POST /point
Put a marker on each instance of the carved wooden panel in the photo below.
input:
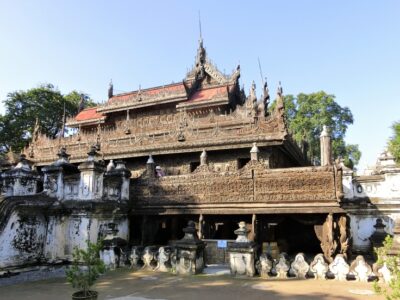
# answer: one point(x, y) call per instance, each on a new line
point(253, 184)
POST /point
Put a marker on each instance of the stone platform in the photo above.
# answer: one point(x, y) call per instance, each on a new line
point(123, 284)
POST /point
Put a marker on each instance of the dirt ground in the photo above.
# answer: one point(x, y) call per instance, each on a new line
point(124, 284)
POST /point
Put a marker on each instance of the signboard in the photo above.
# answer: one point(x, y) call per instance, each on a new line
point(221, 244)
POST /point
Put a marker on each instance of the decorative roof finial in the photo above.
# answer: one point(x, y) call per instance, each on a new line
point(280, 90)
point(266, 97)
point(110, 89)
point(201, 37)
point(36, 129)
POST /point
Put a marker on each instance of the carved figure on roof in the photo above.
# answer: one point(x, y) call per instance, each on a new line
point(81, 105)
point(110, 90)
point(236, 74)
point(266, 97)
point(253, 99)
point(201, 54)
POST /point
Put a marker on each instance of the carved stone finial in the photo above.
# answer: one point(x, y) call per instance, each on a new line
point(339, 268)
point(360, 269)
point(23, 163)
point(241, 233)
point(110, 90)
point(63, 156)
point(282, 267)
point(319, 267)
point(151, 167)
point(203, 158)
point(254, 152)
point(150, 160)
point(378, 237)
point(120, 164)
point(110, 166)
point(299, 266)
point(92, 153)
point(325, 131)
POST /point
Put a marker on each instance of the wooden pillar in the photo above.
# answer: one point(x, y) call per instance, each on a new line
point(253, 227)
point(200, 232)
point(144, 232)
point(174, 228)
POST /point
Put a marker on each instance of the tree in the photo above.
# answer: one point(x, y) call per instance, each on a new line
point(307, 113)
point(394, 143)
point(86, 268)
point(22, 108)
point(392, 291)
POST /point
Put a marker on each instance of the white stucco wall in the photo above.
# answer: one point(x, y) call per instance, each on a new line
point(22, 240)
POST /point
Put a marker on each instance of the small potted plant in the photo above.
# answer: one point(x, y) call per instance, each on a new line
point(86, 268)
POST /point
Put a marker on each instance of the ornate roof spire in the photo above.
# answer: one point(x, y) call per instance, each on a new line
point(201, 52)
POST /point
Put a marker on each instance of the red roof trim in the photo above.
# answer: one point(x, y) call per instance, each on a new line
point(174, 87)
point(88, 114)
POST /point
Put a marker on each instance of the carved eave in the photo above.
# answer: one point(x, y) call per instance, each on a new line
point(76, 124)
point(210, 70)
point(203, 104)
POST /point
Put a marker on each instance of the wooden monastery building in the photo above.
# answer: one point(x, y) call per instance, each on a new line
point(199, 150)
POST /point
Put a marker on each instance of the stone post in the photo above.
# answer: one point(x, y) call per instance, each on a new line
point(21, 180)
point(242, 253)
point(326, 147)
point(91, 181)
point(254, 152)
point(189, 252)
point(116, 181)
point(54, 174)
point(203, 158)
point(151, 167)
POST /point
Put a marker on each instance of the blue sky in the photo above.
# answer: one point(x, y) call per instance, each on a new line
point(347, 48)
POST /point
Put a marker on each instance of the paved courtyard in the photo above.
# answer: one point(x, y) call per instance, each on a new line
point(124, 284)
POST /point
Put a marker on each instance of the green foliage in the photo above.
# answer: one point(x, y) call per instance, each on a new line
point(392, 291)
point(307, 113)
point(86, 266)
point(394, 143)
point(22, 108)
